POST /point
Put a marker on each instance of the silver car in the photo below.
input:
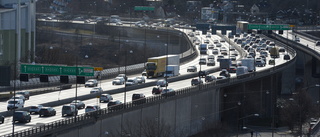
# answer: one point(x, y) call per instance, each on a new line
point(141, 79)
point(118, 81)
point(35, 109)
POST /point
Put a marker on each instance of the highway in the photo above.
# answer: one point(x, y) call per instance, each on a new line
point(6, 127)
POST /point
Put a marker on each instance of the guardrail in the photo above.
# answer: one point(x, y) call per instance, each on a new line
point(56, 126)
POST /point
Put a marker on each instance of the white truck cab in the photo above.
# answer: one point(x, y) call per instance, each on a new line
point(15, 104)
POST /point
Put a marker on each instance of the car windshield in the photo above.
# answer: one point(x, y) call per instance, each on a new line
point(34, 107)
point(66, 107)
point(130, 80)
point(12, 102)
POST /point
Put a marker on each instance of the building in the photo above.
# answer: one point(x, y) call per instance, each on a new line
point(17, 32)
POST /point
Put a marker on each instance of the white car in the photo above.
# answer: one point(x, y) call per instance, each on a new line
point(35, 109)
point(96, 90)
point(118, 81)
point(91, 83)
point(131, 82)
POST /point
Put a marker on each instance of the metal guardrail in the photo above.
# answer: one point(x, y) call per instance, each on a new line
point(54, 127)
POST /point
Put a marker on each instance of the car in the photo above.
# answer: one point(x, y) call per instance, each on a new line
point(18, 96)
point(168, 92)
point(282, 49)
point(15, 104)
point(206, 41)
point(220, 57)
point(215, 51)
point(141, 79)
point(297, 39)
point(260, 63)
point(105, 98)
point(211, 62)
point(138, 98)
point(225, 53)
point(225, 73)
point(210, 46)
point(286, 57)
point(196, 81)
point(157, 90)
point(210, 78)
point(1, 118)
point(119, 23)
point(131, 81)
point(232, 69)
point(192, 69)
point(197, 33)
point(26, 94)
point(271, 62)
point(96, 90)
point(115, 105)
point(144, 72)
point(203, 73)
point(208, 35)
point(118, 81)
point(124, 76)
point(162, 83)
point(91, 108)
point(215, 41)
point(91, 83)
point(21, 116)
point(233, 58)
point(78, 103)
point(35, 109)
point(68, 110)
point(317, 43)
point(221, 77)
point(47, 111)
point(222, 40)
point(218, 45)
point(202, 61)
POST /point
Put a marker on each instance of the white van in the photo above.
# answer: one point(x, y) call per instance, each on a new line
point(242, 70)
point(15, 104)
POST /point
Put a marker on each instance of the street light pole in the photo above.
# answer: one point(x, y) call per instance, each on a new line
point(125, 72)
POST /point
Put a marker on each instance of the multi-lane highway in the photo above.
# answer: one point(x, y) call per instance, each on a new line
point(6, 127)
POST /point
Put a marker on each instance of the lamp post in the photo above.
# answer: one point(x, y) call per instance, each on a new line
point(125, 72)
point(251, 115)
point(166, 77)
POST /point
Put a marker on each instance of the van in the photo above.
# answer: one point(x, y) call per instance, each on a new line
point(242, 70)
point(15, 104)
point(69, 110)
point(18, 96)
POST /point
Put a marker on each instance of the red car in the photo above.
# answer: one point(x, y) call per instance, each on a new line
point(157, 90)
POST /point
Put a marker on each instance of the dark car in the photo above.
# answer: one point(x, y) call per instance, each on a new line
point(157, 90)
point(196, 81)
point(78, 103)
point(47, 111)
point(138, 98)
point(210, 78)
point(203, 73)
point(21, 116)
point(225, 73)
point(115, 105)
point(26, 94)
point(232, 69)
point(286, 57)
point(168, 92)
point(1, 118)
point(69, 110)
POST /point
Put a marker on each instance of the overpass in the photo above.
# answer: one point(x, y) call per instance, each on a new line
point(194, 109)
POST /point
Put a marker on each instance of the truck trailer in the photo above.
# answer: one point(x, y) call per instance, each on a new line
point(172, 70)
point(156, 66)
point(225, 63)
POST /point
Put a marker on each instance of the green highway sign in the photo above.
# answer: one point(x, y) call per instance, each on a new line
point(56, 70)
point(268, 27)
point(144, 8)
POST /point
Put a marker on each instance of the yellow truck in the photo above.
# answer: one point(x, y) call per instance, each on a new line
point(156, 66)
point(274, 52)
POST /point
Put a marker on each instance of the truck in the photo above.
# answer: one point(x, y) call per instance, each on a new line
point(203, 48)
point(225, 63)
point(274, 52)
point(249, 63)
point(172, 70)
point(156, 66)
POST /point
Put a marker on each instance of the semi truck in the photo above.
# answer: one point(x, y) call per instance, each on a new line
point(249, 63)
point(156, 66)
point(274, 52)
point(203, 48)
point(225, 64)
point(172, 70)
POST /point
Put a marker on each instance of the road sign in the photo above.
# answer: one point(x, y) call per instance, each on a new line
point(144, 8)
point(98, 68)
point(56, 70)
point(268, 27)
